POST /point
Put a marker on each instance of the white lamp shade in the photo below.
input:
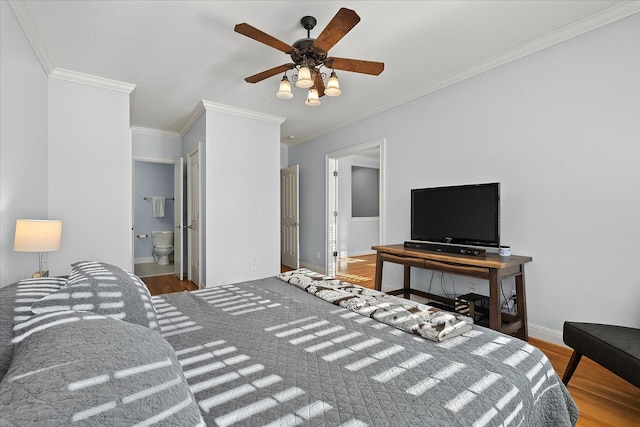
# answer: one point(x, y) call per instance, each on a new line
point(312, 97)
point(284, 91)
point(304, 78)
point(34, 235)
point(333, 86)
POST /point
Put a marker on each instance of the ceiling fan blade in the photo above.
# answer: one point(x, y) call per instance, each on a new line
point(319, 84)
point(262, 37)
point(336, 29)
point(355, 65)
point(268, 73)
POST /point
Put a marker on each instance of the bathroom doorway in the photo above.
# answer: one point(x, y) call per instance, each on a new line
point(157, 211)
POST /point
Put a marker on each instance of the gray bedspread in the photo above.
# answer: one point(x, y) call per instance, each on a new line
point(268, 353)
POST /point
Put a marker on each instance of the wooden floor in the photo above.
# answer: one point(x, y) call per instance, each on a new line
point(604, 399)
point(167, 284)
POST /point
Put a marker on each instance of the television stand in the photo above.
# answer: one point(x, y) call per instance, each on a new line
point(491, 267)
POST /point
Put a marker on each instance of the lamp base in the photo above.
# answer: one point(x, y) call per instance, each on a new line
point(40, 274)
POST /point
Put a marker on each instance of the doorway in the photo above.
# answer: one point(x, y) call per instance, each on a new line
point(341, 224)
point(289, 213)
point(157, 207)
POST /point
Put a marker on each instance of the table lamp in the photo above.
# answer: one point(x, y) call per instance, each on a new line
point(34, 235)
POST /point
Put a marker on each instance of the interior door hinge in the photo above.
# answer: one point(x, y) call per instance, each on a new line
point(335, 253)
point(335, 173)
point(335, 213)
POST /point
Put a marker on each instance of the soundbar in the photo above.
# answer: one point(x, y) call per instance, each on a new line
point(451, 249)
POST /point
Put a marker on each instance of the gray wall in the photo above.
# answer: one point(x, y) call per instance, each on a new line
point(90, 174)
point(559, 130)
point(23, 144)
point(66, 154)
point(243, 195)
point(365, 188)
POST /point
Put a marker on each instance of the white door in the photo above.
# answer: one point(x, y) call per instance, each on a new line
point(193, 213)
point(332, 218)
point(178, 210)
point(289, 226)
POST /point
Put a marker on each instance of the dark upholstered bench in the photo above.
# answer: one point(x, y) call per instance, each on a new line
point(617, 348)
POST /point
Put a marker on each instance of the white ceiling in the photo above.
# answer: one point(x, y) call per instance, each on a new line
point(177, 53)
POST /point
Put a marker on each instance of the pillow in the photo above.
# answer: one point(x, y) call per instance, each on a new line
point(103, 289)
point(77, 367)
point(15, 306)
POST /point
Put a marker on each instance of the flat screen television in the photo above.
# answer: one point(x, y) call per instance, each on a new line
point(463, 214)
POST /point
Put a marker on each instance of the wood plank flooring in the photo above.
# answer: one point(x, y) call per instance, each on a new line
point(167, 284)
point(604, 399)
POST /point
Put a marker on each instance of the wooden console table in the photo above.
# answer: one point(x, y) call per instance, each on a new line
point(491, 267)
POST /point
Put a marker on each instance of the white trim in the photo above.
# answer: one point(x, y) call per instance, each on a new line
point(89, 80)
point(360, 253)
point(154, 132)
point(154, 160)
point(212, 106)
point(30, 30)
point(312, 267)
point(546, 334)
point(195, 115)
point(144, 260)
point(365, 218)
point(597, 20)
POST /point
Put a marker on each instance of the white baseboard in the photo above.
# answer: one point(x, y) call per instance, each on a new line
point(312, 267)
point(143, 260)
point(546, 334)
point(360, 253)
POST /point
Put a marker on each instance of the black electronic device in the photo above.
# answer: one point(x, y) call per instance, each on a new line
point(451, 249)
point(457, 215)
point(472, 305)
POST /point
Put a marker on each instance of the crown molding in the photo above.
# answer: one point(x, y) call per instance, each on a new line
point(241, 112)
point(154, 132)
point(597, 20)
point(31, 32)
point(88, 79)
point(204, 105)
point(195, 115)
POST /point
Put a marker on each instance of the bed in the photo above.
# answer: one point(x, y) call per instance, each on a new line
point(96, 349)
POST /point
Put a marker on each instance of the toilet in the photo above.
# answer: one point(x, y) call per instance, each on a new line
point(162, 246)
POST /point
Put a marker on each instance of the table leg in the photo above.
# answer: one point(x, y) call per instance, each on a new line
point(378, 281)
point(495, 316)
point(521, 304)
point(407, 282)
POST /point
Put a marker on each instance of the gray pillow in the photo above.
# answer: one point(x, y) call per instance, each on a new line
point(104, 289)
point(80, 368)
point(15, 306)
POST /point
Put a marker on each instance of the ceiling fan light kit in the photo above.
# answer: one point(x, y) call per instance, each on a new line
point(310, 55)
point(312, 97)
point(333, 85)
point(304, 78)
point(284, 91)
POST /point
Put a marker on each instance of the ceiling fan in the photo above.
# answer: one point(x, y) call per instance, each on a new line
point(310, 55)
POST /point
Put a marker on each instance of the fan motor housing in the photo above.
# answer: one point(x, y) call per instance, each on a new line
point(314, 57)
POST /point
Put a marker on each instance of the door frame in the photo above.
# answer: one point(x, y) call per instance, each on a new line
point(176, 221)
point(331, 194)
